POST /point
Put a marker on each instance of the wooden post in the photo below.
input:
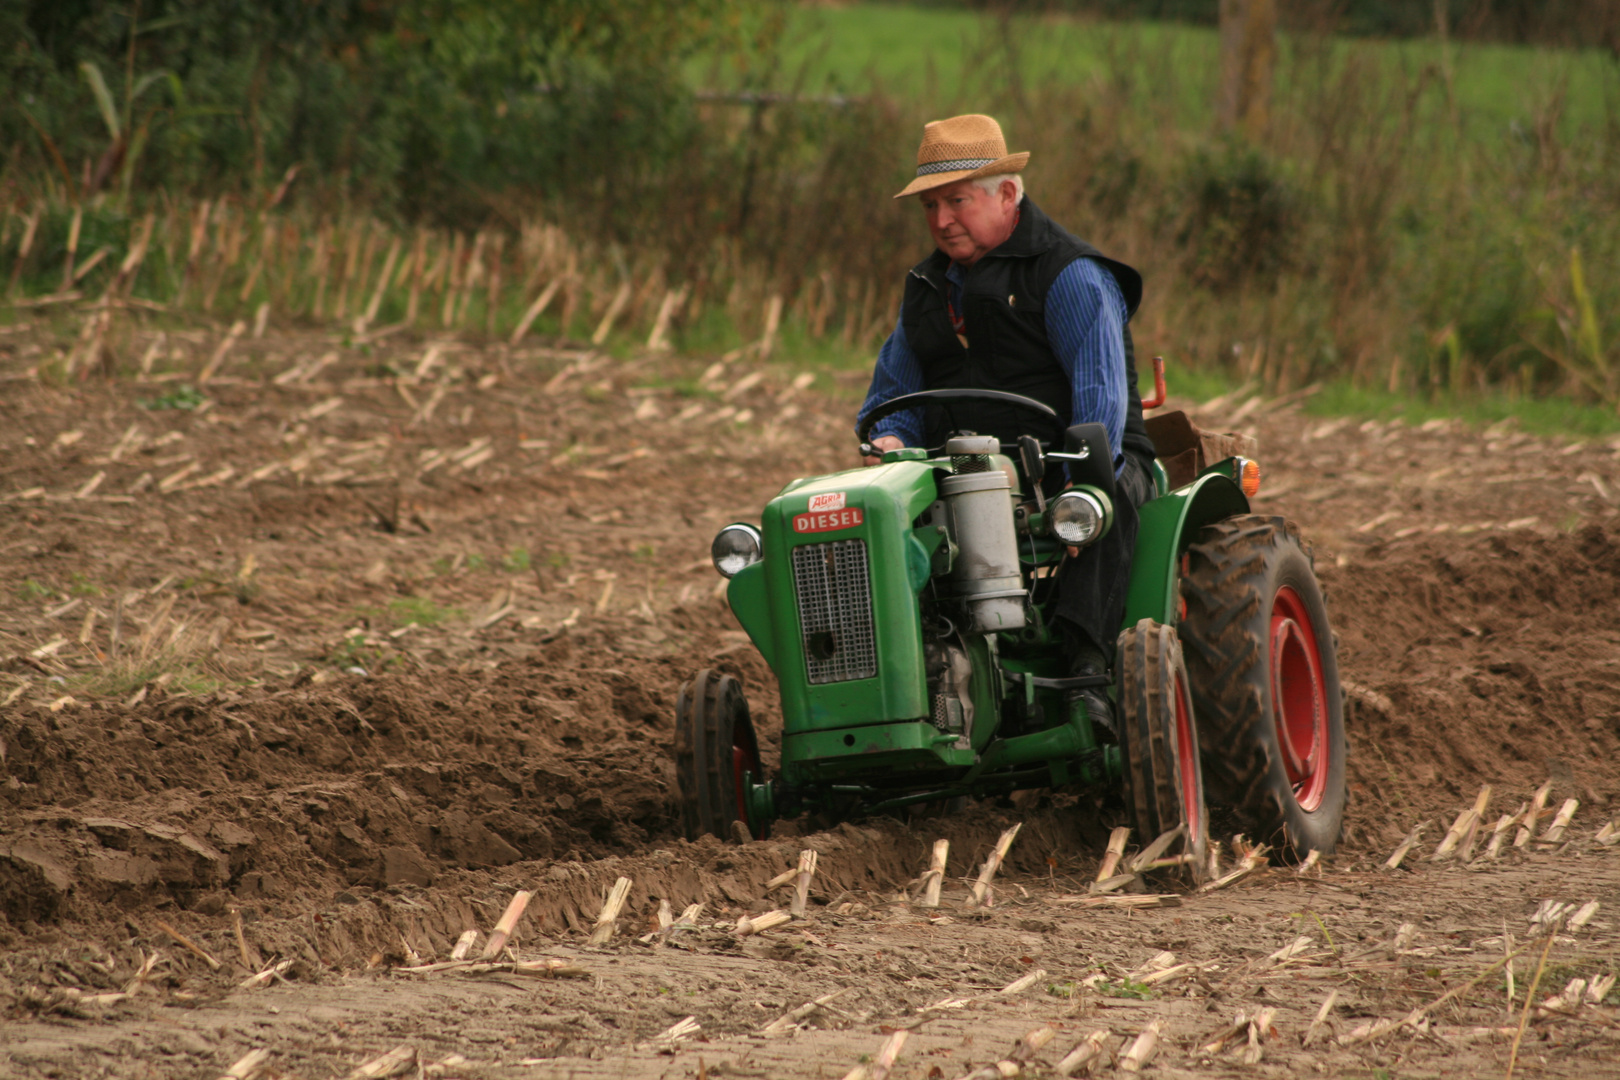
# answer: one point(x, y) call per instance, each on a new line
point(1248, 34)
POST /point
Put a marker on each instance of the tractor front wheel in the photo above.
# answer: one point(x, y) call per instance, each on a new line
point(1265, 682)
point(1164, 785)
point(716, 754)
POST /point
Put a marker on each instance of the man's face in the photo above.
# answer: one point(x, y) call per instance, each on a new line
point(968, 221)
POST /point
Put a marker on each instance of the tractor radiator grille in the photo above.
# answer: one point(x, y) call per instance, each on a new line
point(835, 610)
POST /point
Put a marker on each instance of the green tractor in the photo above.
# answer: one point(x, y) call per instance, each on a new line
point(905, 610)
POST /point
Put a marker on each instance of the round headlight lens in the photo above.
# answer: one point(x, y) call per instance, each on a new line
point(1076, 518)
point(735, 547)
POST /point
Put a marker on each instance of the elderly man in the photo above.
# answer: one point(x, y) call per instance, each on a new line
point(1011, 301)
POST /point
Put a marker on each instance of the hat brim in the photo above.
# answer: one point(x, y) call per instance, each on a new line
point(1012, 163)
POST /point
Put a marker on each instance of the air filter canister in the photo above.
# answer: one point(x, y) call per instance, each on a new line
point(985, 576)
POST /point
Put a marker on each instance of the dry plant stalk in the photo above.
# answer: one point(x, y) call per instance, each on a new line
point(1142, 1049)
point(1538, 803)
point(1116, 851)
point(1529, 1001)
point(758, 924)
point(880, 1066)
point(464, 944)
point(679, 1030)
point(1022, 1053)
point(549, 968)
point(981, 887)
point(1560, 822)
point(509, 920)
point(608, 919)
point(250, 956)
point(536, 309)
point(1499, 833)
point(1149, 855)
point(1253, 860)
point(658, 340)
point(396, 1062)
point(190, 946)
point(784, 878)
point(247, 1066)
point(1322, 1015)
point(211, 368)
point(792, 1017)
point(617, 305)
point(1022, 983)
point(1086, 1053)
point(1394, 860)
point(1466, 820)
point(265, 977)
point(801, 890)
point(936, 873)
point(773, 321)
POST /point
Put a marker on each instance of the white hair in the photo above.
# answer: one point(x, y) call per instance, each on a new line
point(992, 184)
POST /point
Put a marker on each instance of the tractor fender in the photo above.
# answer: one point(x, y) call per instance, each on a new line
point(1167, 525)
point(746, 596)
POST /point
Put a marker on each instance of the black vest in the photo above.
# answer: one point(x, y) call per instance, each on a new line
point(1004, 304)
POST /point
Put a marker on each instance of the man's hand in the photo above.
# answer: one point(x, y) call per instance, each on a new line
point(882, 443)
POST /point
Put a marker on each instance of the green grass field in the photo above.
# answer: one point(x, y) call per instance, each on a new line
point(947, 56)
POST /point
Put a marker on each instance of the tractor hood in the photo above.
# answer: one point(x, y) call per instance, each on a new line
point(832, 604)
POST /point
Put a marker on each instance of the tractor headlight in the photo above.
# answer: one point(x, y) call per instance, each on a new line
point(735, 547)
point(1077, 518)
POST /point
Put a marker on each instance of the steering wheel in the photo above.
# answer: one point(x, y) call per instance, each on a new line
point(923, 397)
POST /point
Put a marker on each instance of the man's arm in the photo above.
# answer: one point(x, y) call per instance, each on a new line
point(897, 373)
point(1085, 321)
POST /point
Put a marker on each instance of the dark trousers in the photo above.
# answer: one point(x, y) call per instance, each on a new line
point(1093, 584)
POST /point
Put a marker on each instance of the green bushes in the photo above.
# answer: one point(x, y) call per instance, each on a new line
point(1408, 223)
point(1243, 220)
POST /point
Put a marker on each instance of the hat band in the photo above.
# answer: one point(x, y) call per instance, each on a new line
point(954, 165)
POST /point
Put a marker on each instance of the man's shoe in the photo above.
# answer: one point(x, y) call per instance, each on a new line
point(1098, 708)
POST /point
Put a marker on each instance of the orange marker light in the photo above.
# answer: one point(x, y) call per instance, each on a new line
point(1250, 481)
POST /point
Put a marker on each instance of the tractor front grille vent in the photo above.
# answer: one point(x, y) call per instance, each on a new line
point(835, 610)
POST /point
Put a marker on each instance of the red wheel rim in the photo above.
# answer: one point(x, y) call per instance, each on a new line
point(741, 762)
point(1187, 764)
point(1299, 698)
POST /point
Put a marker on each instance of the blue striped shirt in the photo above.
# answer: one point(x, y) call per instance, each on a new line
point(1085, 322)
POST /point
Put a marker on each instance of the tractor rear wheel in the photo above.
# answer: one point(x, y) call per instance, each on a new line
point(1265, 682)
point(1164, 785)
point(715, 752)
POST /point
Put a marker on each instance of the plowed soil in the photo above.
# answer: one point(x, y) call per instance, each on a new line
point(363, 637)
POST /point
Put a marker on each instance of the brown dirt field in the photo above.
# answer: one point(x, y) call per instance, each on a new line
point(379, 633)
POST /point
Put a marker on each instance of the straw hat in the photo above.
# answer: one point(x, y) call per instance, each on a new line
point(962, 148)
